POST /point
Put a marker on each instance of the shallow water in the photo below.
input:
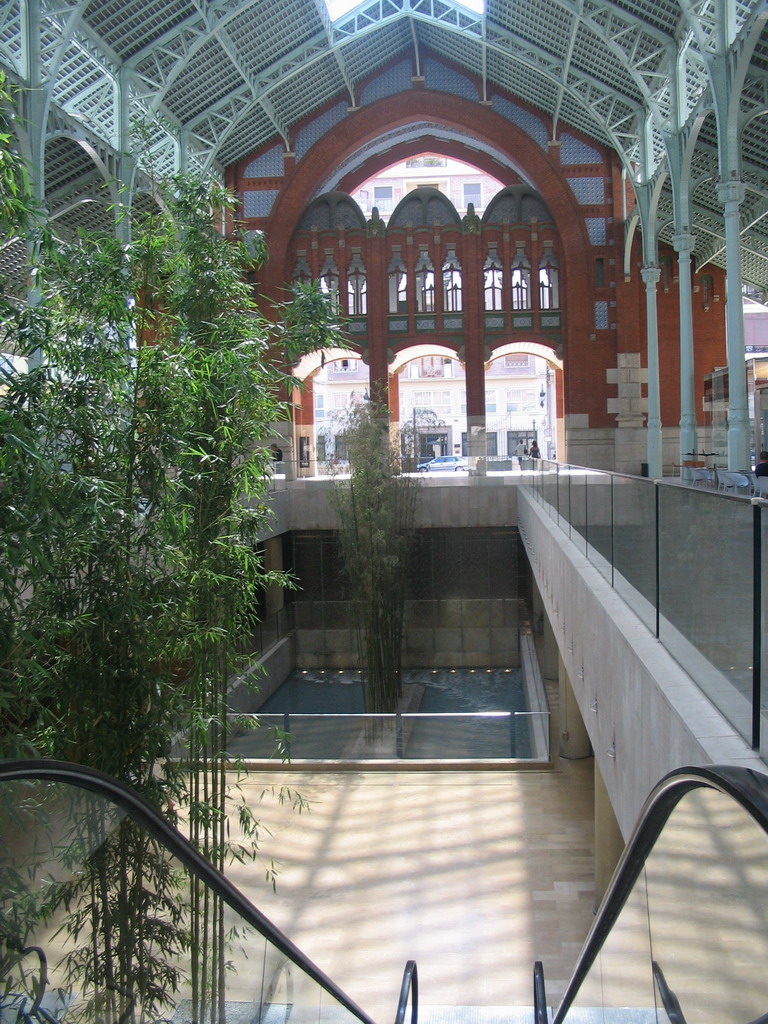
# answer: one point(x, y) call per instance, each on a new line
point(327, 691)
point(463, 714)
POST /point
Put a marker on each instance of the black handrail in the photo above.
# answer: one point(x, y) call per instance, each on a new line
point(744, 785)
point(540, 1014)
point(409, 987)
point(668, 998)
point(97, 782)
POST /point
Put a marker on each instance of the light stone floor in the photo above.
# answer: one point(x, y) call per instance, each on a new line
point(473, 874)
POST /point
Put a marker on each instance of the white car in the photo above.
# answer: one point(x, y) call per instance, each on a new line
point(453, 463)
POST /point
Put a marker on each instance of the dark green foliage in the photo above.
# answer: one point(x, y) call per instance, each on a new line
point(133, 475)
point(376, 511)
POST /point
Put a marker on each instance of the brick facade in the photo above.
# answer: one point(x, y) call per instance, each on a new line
point(597, 332)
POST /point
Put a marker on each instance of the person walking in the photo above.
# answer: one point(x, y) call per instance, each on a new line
point(533, 451)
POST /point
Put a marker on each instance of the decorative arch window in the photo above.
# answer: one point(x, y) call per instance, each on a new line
point(452, 283)
point(357, 286)
point(329, 280)
point(492, 280)
point(425, 283)
point(666, 272)
point(398, 283)
point(301, 272)
point(549, 280)
point(521, 279)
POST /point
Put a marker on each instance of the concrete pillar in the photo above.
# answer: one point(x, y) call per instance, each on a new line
point(609, 842)
point(651, 276)
point(731, 195)
point(550, 653)
point(274, 597)
point(573, 739)
point(689, 441)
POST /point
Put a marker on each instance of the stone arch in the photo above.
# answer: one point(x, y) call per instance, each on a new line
point(424, 207)
point(360, 127)
point(516, 204)
point(332, 211)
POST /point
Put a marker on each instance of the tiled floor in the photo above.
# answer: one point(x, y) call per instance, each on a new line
point(473, 874)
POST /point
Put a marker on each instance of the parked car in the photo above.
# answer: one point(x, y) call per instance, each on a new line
point(452, 463)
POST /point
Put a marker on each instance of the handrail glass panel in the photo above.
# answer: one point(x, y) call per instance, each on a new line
point(705, 595)
point(413, 736)
point(634, 545)
point(599, 532)
point(690, 935)
point(703, 546)
point(578, 521)
point(96, 923)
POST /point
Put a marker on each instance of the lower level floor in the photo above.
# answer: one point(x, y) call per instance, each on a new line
point(473, 874)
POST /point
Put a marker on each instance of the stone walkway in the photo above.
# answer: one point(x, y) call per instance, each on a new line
point(473, 874)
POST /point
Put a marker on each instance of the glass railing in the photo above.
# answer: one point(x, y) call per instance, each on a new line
point(688, 561)
point(681, 934)
point(406, 736)
point(272, 628)
point(108, 916)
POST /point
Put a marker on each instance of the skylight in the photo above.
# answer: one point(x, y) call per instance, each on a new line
point(338, 8)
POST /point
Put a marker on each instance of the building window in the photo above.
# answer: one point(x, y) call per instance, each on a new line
point(329, 280)
point(431, 366)
point(426, 161)
point(491, 443)
point(521, 289)
point(345, 365)
point(425, 284)
point(319, 406)
point(517, 361)
point(600, 272)
point(521, 400)
point(707, 288)
point(521, 279)
point(436, 401)
point(301, 271)
point(452, 302)
point(382, 198)
point(490, 401)
point(398, 283)
point(492, 281)
point(357, 291)
point(549, 297)
point(473, 193)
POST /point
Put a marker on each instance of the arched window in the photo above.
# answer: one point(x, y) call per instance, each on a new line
point(707, 289)
point(521, 279)
point(451, 283)
point(425, 284)
point(357, 288)
point(398, 283)
point(549, 290)
point(329, 280)
point(492, 280)
point(301, 271)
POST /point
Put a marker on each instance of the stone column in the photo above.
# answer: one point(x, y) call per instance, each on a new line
point(609, 842)
point(573, 739)
point(689, 441)
point(731, 195)
point(651, 276)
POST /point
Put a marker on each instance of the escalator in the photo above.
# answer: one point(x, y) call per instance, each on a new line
point(681, 936)
point(96, 928)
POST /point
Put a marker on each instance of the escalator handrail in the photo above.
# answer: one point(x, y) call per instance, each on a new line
point(540, 1012)
point(116, 792)
point(409, 987)
point(746, 786)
